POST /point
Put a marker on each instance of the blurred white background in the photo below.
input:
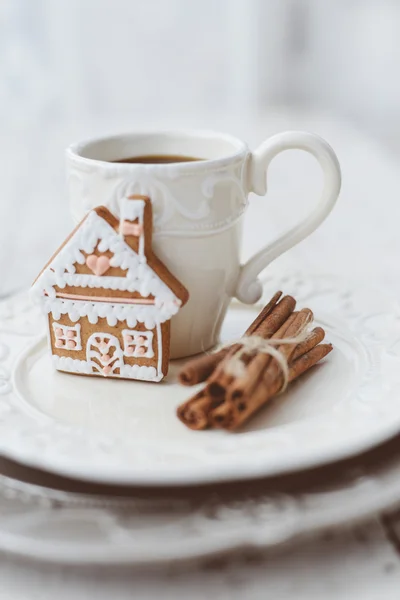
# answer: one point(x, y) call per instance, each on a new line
point(70, 69)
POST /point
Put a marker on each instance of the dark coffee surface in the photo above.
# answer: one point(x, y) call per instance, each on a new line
point(157, 159)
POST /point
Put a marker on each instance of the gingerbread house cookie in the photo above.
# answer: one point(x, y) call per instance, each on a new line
point(109, 299)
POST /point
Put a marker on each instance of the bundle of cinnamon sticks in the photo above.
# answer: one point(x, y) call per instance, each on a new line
point(231, 395)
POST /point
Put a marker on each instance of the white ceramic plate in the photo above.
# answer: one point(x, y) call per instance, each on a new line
point(70, 528)
point(127, 433)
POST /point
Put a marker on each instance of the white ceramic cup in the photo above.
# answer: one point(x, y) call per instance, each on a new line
point(198, 208)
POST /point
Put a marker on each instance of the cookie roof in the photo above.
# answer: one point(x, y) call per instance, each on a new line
point(145, 275)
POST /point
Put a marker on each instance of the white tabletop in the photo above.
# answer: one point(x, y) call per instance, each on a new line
point(360, 239)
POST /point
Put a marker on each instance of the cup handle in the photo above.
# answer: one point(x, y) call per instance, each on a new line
point(249, 288)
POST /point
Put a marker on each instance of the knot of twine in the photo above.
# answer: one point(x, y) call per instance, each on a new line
point(253, 344)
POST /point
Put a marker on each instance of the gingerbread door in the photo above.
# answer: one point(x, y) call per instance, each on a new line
point(104, 354)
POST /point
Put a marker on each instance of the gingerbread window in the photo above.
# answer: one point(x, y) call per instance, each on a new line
point(67, 338)
point(138, 344)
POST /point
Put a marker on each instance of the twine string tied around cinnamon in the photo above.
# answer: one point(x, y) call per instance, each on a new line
point(254, 344)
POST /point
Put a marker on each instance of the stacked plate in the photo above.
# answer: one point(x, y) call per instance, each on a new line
point(102, 471)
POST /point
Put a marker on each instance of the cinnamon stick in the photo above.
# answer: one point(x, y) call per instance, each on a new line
point(227, 401)
point(231, 416)
point(298, 325)
point(220, 379)
point(277, 317)
point(308, 360)
point(200, 368)
point(246, 385)
point(223, 417)
point(263, 314)
point(238, 406)
point(268, 378)
point(194, 412)
point(314, 337)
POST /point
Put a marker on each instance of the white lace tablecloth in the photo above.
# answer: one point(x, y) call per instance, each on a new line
point(360, 239)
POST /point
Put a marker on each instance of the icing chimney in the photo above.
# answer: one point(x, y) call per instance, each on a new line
point(135, 215)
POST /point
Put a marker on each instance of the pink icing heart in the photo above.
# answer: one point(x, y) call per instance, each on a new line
point(98, 264)
point(106, 371)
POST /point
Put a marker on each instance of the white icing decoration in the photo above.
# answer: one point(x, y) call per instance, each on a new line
point(94, 352)
point(116, 361)
point(131, 210)
point(140, 276)
point(159, 349)
point(141, 372)
point(77, 339)
point(71, 365)
point(147, 344)
point(148, 314)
